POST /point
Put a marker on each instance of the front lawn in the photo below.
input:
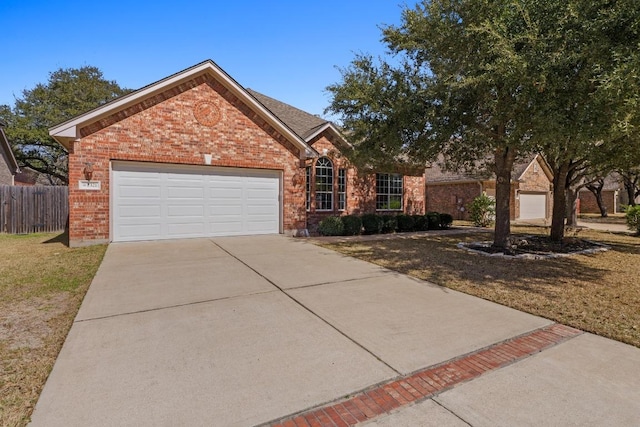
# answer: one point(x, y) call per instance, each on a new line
point(599, 293)
point(42, 283)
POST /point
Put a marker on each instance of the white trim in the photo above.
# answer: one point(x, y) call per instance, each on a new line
point(69, 131)
point(331, 127)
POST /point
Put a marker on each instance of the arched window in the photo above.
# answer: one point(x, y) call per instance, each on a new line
point(324, 184)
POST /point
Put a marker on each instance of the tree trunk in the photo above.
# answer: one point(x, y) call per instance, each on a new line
point(504, 159)
point(559, 202)
point(571, 197)
point(631, 190)
point(596, 188)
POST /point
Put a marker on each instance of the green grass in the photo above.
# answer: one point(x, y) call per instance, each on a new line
point(42, 283)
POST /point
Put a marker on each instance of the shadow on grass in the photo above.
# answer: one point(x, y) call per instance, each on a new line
point(439, 261)
point(60, 238)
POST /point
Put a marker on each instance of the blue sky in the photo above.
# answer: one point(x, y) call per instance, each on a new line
point(288, 50)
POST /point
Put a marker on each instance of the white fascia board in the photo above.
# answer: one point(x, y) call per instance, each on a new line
point(331, 127)
point(69, 130)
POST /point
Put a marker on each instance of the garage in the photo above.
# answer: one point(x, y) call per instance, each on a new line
point(533, 205)
point(163, 201)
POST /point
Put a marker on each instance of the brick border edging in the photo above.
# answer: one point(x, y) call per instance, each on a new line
point(381, 399)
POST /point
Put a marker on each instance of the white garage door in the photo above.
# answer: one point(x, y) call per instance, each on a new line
point(154, 201)
point(533, 206)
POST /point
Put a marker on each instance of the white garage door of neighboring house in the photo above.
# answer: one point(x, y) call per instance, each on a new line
point(533, 206)
point(161, 201)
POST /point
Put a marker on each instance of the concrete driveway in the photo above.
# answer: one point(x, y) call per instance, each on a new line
point(251, 330)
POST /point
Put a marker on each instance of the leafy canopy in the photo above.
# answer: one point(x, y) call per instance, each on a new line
point(67, 94)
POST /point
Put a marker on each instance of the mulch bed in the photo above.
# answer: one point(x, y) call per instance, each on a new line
point(538, 246)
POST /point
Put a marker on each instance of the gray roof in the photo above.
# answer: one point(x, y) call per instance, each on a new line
point(438, 173)
point(301, 122)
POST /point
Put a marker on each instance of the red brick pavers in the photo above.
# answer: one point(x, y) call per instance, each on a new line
point(421, 385)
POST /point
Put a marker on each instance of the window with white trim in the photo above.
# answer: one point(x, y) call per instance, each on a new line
point(342, 189)
point(389, 191)
point(324, 184)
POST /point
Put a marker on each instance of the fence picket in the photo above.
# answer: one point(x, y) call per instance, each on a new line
point(33, 209)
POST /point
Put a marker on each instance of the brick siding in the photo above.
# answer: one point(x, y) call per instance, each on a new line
point(452, 198)
point(588, 203)
point(361, 189)
point(163, 129)
point(534, 180)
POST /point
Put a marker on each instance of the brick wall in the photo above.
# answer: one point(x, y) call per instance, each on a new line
point(535, 180)
point(361, 189)
point(588, 203)
point(163, 129)
point(452, 198)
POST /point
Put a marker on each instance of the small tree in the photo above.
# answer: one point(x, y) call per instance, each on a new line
point(483, 211)
point(633, 218)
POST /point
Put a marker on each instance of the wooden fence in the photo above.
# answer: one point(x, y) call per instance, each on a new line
point(33, 209)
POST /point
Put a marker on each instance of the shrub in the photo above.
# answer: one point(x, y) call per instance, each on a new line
point(482, 211)
point(372, 223)
point(352, 225)
point(632, 215)
point(390, 223)
point(331, 226)
point(433, 220)
point(405, 223)
point(445, 220)
point(420, 223)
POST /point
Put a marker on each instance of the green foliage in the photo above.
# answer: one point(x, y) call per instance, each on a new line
point(485, 83)
point(390, 224)
point(433, 220)
point(482, 211)
point(352, 225)
point(331, 226)
point(632, 215)
point(446, 220)
point(420, 223)
point(372, 223)
point(405, 223)
point(67, 94)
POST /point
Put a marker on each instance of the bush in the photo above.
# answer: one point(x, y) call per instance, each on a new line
point(420, 223)
point(405, 223)
point(482, 211)
point(331, 226)
point(352, 225)
point(390, 223)
point(445, 220)
point(633, 218)
point(372, 223)
point(433, 220)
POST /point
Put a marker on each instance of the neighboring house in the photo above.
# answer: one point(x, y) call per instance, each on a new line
point(8, 165)
point(531, 190)
point(28, 177)
point(198, 155)
point(612, 192)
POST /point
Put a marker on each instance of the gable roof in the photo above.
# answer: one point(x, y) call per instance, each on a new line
point(521, 167)
point(436, 173)
point(6, 152)
point(69, 131)
point(301, 122)
point(306, 125)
